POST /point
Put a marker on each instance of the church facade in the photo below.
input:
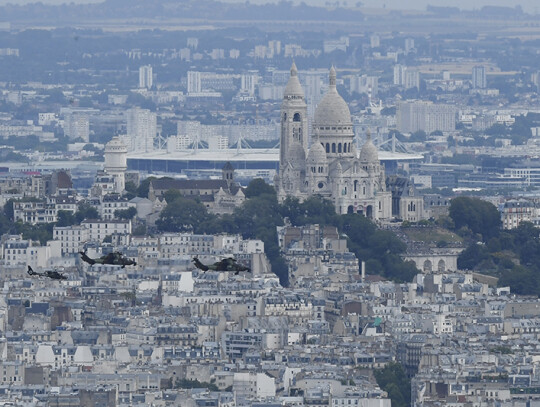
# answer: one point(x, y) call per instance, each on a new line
point(331, 166)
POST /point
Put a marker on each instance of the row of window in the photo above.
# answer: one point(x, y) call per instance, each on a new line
point(334, 128)
point(337, 148)
point(68, 232)
point(18, 251)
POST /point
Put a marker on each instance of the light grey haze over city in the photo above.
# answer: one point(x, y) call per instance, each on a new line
point(530, 6)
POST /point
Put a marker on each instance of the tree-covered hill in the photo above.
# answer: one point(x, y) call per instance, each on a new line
point(258, 217)
point(512, 255)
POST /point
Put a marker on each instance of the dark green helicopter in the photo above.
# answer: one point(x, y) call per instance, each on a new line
point(228, 264)
point(115, 259)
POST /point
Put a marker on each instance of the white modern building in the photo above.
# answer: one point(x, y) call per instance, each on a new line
point(194, 82)
point(146, 79)
point(77, 126)
point(406, 76)
point(414, 115)
point(141, 130)
point(479, 80)
point(248, 82)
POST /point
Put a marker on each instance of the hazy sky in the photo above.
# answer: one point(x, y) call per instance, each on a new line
point(53, 2)
point(531, 6)
point(528, 5)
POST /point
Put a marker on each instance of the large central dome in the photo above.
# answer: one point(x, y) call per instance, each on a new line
point(332, 109)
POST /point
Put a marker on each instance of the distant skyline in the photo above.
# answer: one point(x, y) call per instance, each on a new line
point(49, 2)
point(530, 6)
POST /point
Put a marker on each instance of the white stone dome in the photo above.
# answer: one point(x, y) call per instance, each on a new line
point(296, 153)
point(369, 152)
point(293, 87)
point(316, 154)
point(332, 109)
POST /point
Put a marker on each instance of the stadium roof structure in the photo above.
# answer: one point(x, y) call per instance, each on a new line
point(238, 156)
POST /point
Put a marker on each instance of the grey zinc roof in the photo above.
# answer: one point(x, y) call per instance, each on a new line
point(166, 183)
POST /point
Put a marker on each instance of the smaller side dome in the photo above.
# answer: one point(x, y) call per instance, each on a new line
point(316, 154)
point(296, 153)
point(369, 153)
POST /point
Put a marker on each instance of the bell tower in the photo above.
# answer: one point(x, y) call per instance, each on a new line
point(294, 127)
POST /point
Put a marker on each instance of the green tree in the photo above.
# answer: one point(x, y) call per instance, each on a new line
point(291, 209)
point(131, 187)
point(472, 256)
point(143, 188)
point(42, 232)
point(86, 211)
point(388, 111)
point(318, 210)
point(521, 130)
point(257, 218)
point(5, 224)
point(260, 212)
point(258, 187)
point(8, 209)
point(393, 379)
point(55, 96)
point(194, 384)
point(127, 214)
point(183, 215)
point(380, 249)
point(497, 130)
point(418, 136)
point(65, 218)
point(172, 194)
point(224, 223)
point(475, 214)
point(139, 230)
point(521, 280)
point(130, 190)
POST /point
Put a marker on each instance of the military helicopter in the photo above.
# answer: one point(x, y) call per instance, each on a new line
point(53, 274)
point(116, 259)
point(228, 264)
